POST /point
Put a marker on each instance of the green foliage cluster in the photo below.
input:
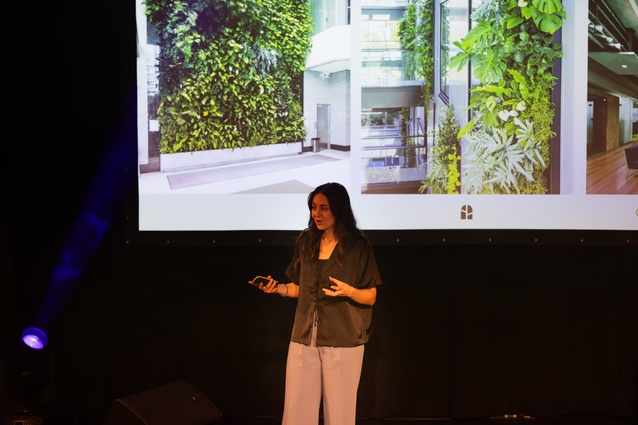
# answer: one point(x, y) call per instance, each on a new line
point(230, 72)
point(502, 162)
point(409, 154)
point(416, 34)
point(512, 52)
point(443, 176)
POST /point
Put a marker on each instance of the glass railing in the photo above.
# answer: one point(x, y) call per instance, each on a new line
point(389, 157)
point(388, 69)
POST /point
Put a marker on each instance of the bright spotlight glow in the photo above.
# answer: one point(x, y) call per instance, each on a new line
point(35, 338)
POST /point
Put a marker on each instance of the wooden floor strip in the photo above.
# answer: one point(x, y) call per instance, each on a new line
point(607, 173)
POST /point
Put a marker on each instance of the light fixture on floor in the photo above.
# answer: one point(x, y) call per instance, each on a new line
point(35, 338)
point(28, 364)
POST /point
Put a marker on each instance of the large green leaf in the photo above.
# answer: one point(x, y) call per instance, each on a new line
point(547, 22)
point(548, 6)
point(478, 37)
point(489, 66)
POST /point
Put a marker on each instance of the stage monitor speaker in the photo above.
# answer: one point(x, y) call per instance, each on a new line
point(179, 403)
point(21, 420)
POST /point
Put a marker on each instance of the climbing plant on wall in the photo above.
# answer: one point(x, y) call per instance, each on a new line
point(230, 72)
point(512, 52)
point(443, 176)
point(416, 32)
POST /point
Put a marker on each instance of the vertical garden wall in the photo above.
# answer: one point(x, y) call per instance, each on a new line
point(512, 52)
point(230, 72)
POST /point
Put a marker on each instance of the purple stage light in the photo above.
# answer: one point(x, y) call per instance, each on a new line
point(35, 338)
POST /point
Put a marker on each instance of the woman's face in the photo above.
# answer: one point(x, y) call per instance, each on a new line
point(321, 213)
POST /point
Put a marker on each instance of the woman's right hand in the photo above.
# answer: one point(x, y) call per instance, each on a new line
point(268, 287)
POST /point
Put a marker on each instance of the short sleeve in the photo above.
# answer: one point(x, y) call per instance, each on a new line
point(294, 267)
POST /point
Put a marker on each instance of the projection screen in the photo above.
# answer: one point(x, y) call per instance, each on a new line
point(426, 136)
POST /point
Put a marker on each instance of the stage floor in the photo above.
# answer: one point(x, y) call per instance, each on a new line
point(562, 420)
point(271, 420)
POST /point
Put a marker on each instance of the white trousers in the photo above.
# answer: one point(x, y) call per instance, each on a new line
point(314, 374)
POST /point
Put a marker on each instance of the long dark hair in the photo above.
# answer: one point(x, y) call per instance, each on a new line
point(345, 227)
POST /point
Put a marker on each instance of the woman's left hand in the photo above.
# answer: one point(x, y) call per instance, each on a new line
point(339, 289)
point(366, 296)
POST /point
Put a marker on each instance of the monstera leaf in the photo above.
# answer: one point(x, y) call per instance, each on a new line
point(548, 6)
point(489, 66)
point(548, 15)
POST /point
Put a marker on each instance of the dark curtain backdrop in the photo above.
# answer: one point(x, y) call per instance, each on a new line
point(462, 331)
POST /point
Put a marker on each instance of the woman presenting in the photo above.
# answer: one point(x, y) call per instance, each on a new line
point(333, 274)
